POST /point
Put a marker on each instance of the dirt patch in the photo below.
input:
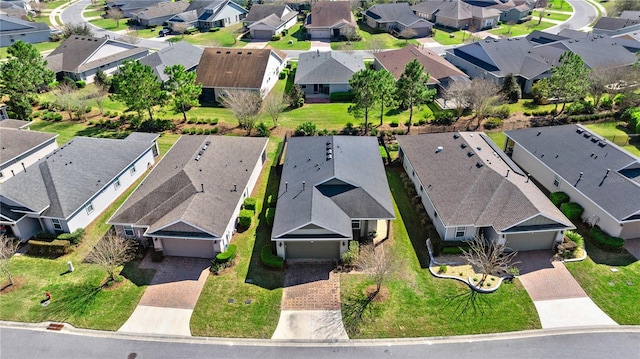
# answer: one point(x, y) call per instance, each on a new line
point(382, 296)
point(6, 288)
point(112, 285)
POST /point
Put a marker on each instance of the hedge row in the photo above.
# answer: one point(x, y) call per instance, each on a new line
point(269, 259)
point(73, 238)
point(227, 255)
point(245, 218)
point(604, 240)
point(250, 203)
point(558, 198)
point(270, 215)
point(350, 257)
point(341, 97)
point(572, 210)
point(55, 248)
point(454, 250)
point(271, 201)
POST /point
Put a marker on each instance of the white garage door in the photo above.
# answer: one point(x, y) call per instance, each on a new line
point(313, 250)
point(531, 241)
point(262, 34)
point(187, 248)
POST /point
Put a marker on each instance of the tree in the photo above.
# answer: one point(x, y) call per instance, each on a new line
point(21, 76)
point(411, 88)
point(363, 86)
point(569, 81)
point(407, 33)
point(183, 88)
point(131, 37)
point(8, 247)
point(83, 29)
point(296, 97)
point(376, 45)
point(376, 265)
point(481, 95)
point(66, 97)
point(245, 105)
point(111, 252)
point(385, 88)
point(458, 92)
point(115, 14)
point(510, 89)
point(136, 86)
point(488, 258)
point(249, 4)
point(181, 28)
point(600, 82)
point(273, 106)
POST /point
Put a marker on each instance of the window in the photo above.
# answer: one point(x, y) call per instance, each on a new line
point(355, 224)
point(90, 208)
point(128, 231)
point(556, 181)
point(132, 170)
point(460, 232)
point(116, 184)
point(56, 224)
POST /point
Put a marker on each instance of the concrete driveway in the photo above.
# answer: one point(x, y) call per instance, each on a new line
point(633, 246)
point(557, 296)
point(310, 303)
point(167, 303)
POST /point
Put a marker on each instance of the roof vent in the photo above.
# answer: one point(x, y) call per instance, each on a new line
point(439, 149)
point(470, 154)
point(587, 134)
point(479, 164)
point(580, 130)
point(329, 156)
point(602, 143)
point(456, 136)
point(200, 153)
point(594, 139)
point(539, 133)
point(208, 143)
point(463, 145)
point(479, 148)
point(198, 158)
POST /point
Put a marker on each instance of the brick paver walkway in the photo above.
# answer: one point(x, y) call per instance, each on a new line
point(545, 279)
point(311, 286)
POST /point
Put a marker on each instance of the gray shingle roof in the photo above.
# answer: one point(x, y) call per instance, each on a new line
point(331, 67)
point(21, 26)
point(396, 12)
point(16, 142)
point(172, 191)
point(614, 23)
point(456, 9)
point(179, 53)
point(615, 192)
point(11, 123)
point(260, 11)
point(162, 9)
point(469, 186)
point(65, 180)
point(350, 185)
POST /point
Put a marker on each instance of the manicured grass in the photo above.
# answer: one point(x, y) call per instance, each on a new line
point(294, 34)
point(110, 24)
point(43, 46)
point(521, 29)
point(225, 37)
point(528, 106)
point(93, 13)
point(616, 293)
point(550, 16)
point(443, 36)
point(559, 5)
point(44, 18)
point(144, 32)
point(615, 132)
point(247, 280)
point(422, 305)
point(55, 4)
point(371, 40)
point(498, 138)
point(67, 130)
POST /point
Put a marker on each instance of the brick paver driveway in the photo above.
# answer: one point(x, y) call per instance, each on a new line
point(311, 286)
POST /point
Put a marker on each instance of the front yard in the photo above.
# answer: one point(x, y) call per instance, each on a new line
point(521, 29)
point(225, 37)
point(294, 40)
point(372, 40)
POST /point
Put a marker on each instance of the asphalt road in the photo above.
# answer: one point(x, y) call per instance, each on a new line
point(597, 343)
point(585, 13)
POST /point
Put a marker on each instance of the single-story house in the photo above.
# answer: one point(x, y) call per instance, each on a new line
point(320, 74)
point(222, 69)
point(80, 57)
point(207, 14)
point(615, 26)
point(396, 17)
point(440, 70)
point(330, 19)
point(17, 9)
point(597, 174)
point(158, 14)
point(332, 190)
point(179, 53)
point(129, 7)
point(15, 124)
point(457, 14)
point(470, 188)
point(71, 187)
point(517, 14)
point(13, 29)
point(20, 149)
point(267, 20)
point(188, 205)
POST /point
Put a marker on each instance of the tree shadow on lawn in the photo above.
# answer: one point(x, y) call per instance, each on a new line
point(258, 274)
point(77, 300)
point(618, 258)
point(136, 275)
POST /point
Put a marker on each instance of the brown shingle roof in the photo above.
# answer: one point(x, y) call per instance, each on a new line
point(437, 67)
point(328, 13)
point(235, 68)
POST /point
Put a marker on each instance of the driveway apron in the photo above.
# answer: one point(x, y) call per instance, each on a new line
point(310, 308)
point(557, 296)
point(167, 303)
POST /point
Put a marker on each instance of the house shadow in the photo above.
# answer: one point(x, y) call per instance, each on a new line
point(532, 261)
point(304, 272)
point(179, 269)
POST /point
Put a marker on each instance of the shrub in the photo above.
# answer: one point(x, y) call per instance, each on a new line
point(250, 203)
point(632, 117)
point(394, 123)
point(185, 131)
point(442, 269)
point(443, 118)
point(245, 218)
point(454, 250)
point(73, 238)
point(604, 240)
point(57, 117)
point(263, 130)
point(227, 255)
point(558, 198)
point(214, 121)
point(572, 210)
point(81, 84)
point(502, 112)
point(606, 103)
point(214, 29)
point(283, 75)
point(492, 123)
point(54, 248)
point(270, 215)
point(207, 131)
point(269, 259)
point(341, 97)
point(306, 129)
point(350, 257)
point(271, 201)
point(214, 130)
point(580, 107)
point(575, 237)
point(275, 38)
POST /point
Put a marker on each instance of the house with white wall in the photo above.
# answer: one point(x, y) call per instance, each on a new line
point(333, 190)
point(71, 187)
point(267, 20)
point(470, 188)
point(22, 148)
point(319, 74)
point(597, 174)
point(188, 206)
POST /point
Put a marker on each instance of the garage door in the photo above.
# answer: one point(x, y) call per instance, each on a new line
point(262, 34)
point(531, 241)
point(187, 248)
point(313, 250)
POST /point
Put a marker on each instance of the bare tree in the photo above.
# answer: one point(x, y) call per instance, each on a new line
point(603, 81)
point(407, 33)
point(8, 247)
point(510, 26)
point(488, 257)
point(181, 28)
point(481, 95)
point(273, 106)
point(245, 105)
point(458, 92)
point(376, 265)
point(376, 45)
point(115, 14)
point(67, 98)
point(37, 7)
point(131, 36)
point(111, 252)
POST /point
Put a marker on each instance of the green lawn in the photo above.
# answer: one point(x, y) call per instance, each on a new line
point(372, 40)
point(44, 19)
point(498, 138)
point(421, 305)
point(615, 132)
point(43, 46)
point(55, 4)
point(551, 16)
point(248, 279)
point(443, 36)
point(93, 13)
point(295, 35)
point(559, 5)
point(616, 293)
point(225, 37)
point(110, 24)
point(521, 29)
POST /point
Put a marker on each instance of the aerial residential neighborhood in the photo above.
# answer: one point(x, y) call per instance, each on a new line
point(194, 172)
